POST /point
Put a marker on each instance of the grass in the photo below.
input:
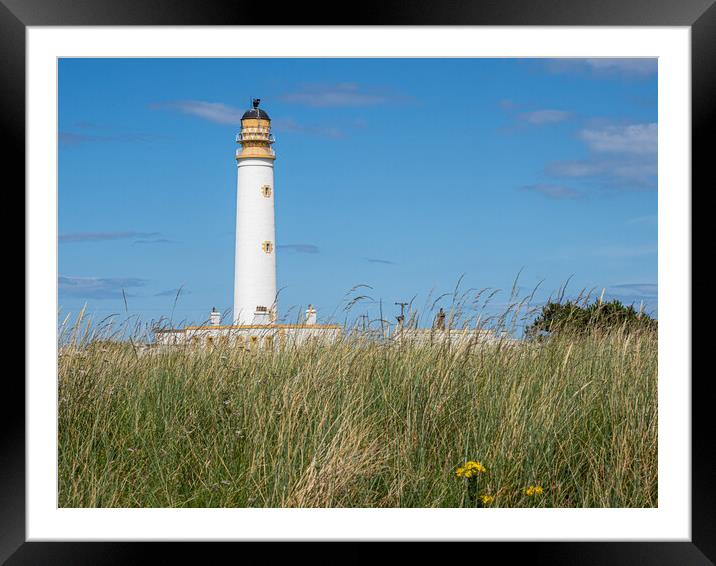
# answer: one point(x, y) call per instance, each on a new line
point(361, 424)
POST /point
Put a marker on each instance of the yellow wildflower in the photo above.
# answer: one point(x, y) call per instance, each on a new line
point(533, 490)
point(470, 469)
point(486, 499)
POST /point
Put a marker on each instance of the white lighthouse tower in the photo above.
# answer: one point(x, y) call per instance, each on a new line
point(255, 265)
point(253, 323)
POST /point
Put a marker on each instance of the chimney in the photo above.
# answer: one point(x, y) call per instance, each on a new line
point(214, 317)
point(310, 315)
point(439, 323)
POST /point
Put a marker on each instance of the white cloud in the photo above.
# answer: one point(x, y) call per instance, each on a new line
point(574, 168)
point(378, 260)
point(622, 156)
point(212, 111)
point(639, 172)
point(300, 248)
point(291, 125)
point(340, 94)
point(638, 289)
point(539, 117)
point(628, 66)
point(556, 192)
point(605, 67)
point(73, 237)
point(635, 170)
point(72, 139)
point(96, 287)
point(173, 292)
point(641, 139)
point(220, 113)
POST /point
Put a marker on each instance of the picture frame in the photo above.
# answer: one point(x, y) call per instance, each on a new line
point(699, 15)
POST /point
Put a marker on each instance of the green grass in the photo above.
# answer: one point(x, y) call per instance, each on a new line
point(360, 424)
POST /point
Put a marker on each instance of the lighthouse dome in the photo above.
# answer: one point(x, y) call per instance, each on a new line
point(255, 113)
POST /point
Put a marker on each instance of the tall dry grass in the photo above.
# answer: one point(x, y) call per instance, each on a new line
point(360, 423)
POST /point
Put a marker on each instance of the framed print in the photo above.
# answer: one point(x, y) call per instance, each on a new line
point(441, 291)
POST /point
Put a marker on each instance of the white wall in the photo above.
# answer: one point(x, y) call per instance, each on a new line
point(248, 337)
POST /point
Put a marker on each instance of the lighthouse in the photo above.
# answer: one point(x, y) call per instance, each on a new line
point(255, 262)
point(254, 319)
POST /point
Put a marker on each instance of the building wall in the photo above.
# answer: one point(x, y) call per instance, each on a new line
point(270, 336)
point(457, 337)
point(255, 269)
point(280, 336)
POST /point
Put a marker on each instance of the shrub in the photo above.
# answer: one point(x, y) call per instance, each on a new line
point(574, 319)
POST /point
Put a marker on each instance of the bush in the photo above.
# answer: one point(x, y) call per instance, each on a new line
point(572, 318)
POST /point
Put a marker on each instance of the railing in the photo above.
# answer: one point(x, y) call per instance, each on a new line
point(255, 130)
point(263, 135)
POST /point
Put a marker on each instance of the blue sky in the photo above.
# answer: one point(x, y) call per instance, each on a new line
point(400, 174)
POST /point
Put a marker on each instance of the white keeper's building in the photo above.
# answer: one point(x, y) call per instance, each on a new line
point(254, 319)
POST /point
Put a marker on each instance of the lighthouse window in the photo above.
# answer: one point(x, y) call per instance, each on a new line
point(267, 247)
point(266, 191)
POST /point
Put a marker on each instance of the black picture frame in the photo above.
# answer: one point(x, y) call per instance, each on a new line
point(16, 15)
